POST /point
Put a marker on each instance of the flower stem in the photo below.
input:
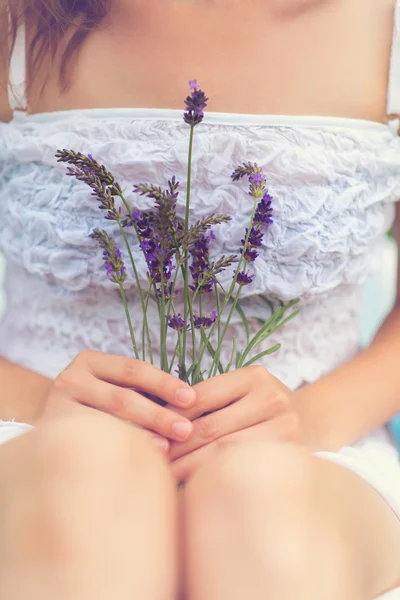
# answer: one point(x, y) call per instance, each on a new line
point(186, 304)
point(136, 274)
point(163, 325)
point(146, 330)
point(128, 318)
point(231, 289)
point(228, 297)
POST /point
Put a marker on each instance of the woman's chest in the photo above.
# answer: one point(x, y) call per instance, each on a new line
point(278, 57)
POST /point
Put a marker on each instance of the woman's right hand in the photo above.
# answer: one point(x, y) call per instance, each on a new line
point(113, 384)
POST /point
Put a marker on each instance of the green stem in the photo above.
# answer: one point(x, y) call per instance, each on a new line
point(163, 325)
point(146, 330)
point(229, 295)
point(176, 351)
point(186, 266)
point(128, 318)
point(171, 298)
point(144, 308)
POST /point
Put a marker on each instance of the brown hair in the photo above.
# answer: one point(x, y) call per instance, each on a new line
point(52, 20)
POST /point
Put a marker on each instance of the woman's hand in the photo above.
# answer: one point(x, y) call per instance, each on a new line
point(244, 405)
point(113, 384)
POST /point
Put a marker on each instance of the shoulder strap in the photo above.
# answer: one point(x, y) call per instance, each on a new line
point(17, 80)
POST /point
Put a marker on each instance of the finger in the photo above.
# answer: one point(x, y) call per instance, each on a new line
point(130, 406)
point(250, 410)
point(183, 468)
point(160, 442)
point(218, 392)
point(138, 374)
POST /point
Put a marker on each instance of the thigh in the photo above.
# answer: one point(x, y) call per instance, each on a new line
point(288, 493)
point(85, 489)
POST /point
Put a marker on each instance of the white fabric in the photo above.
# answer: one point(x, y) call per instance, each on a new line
point(12, 429)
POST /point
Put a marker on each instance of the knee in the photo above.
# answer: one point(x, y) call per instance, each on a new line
point(255, 490)
point(265, 494)
point(93, 449)
point(240, 477)
point(71, 474)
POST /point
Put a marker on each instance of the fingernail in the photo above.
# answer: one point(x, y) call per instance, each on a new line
point(161, 443)
point(181, 429)
point(185, 396)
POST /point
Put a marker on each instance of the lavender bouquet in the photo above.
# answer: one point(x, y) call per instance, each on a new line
point(179, 262)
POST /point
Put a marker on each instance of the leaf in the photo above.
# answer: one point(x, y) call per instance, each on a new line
point(270, 326)
point(244, 321)
point(238, 359)
point(265, 329)
point(268, 302)
point(211, 350)
point(232, 355)
point(264, 353)
point(190, 370)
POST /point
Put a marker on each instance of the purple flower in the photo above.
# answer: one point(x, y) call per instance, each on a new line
point(88, 170)
point(244, 278)
point(200, 263)
point(157, 229)
point(195, 105)
point(167, 292)
point(250, 255)
point(205, 322)
point(262, 216)
point(112, 256)
point(257, 178)
point(177, 322)
point(264, 211)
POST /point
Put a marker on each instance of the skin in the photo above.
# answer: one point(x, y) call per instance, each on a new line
point(239, 511)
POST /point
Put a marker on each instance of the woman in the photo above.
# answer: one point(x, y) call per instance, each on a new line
point(292, 482)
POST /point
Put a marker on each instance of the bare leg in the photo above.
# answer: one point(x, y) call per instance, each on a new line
point(270, 521)
point(87, 512)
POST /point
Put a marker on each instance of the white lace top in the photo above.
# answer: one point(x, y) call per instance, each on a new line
point(334, 183)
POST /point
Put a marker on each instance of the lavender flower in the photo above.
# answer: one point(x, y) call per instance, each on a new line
point(157, 229)
point(262, 216)
point(247, 169)
point(264, 211)
point(200, 228)
point(87, 162)
point(195, 105)
point(168, 292)
point(96, 176)
point(205, 322)
point(244, 278)
point(177, 322)
point(100, 191)
point(200, 262)
point(112, 256)
point(204, 273)
point(155, 245)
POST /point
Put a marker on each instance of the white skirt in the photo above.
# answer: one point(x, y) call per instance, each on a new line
point(374, 458)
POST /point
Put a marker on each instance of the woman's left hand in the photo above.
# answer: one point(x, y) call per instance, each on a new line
point(244, 405)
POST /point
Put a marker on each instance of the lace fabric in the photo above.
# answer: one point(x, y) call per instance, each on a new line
point(333, 187)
